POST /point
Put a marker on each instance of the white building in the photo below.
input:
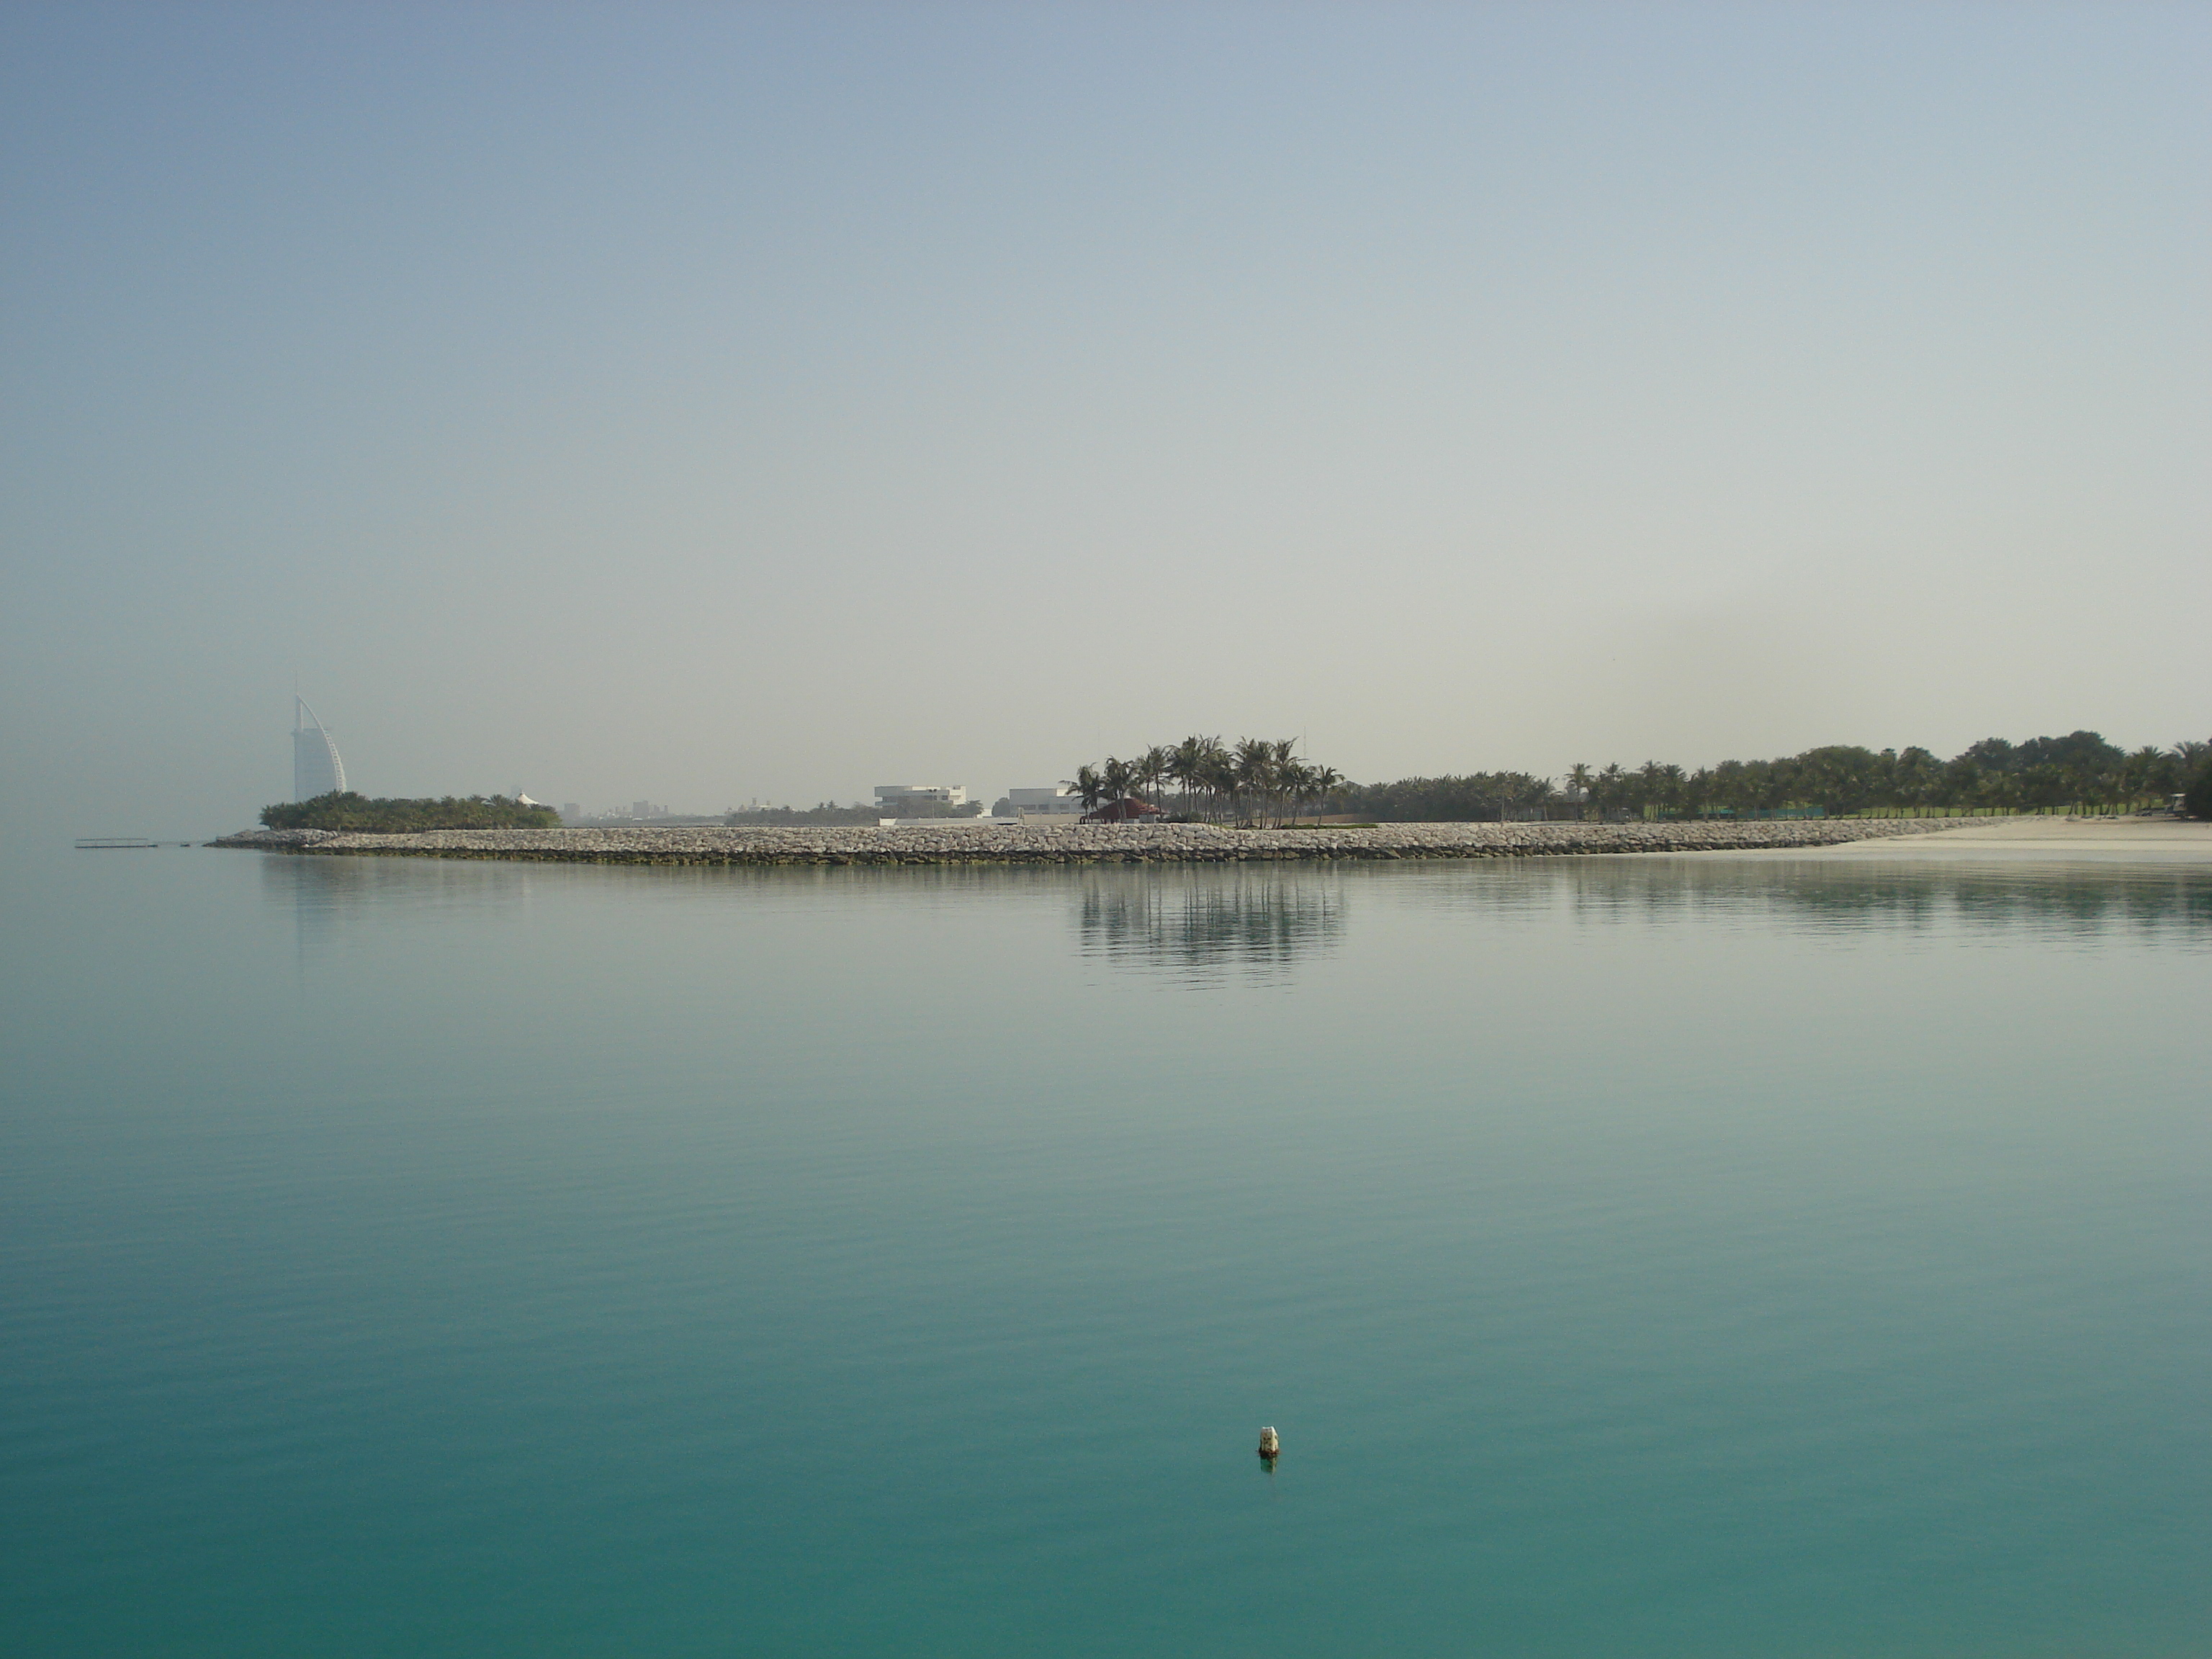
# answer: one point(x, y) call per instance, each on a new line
point(316, 767)
point(890, 797)
point(1053, 803)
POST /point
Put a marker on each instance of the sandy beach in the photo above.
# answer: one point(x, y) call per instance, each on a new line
point(2165, 839)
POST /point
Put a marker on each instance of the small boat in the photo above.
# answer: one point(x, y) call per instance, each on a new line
point(1271, 1445)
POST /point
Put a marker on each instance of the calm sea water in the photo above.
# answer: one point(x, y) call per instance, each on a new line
point(1655, 1257)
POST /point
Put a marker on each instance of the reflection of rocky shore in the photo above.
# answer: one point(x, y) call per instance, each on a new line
point(1263, 918)
point(975, 841)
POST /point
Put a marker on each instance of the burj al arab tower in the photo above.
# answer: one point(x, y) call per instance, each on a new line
point(316, 767)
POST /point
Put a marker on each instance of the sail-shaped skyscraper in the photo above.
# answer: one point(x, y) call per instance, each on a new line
point(316, 767)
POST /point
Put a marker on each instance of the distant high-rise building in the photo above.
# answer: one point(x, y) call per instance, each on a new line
point(570, 812)
point(316, 767)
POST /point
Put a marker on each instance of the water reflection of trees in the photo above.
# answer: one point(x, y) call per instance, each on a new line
point(2063, 899)
point(1213, 918)
point(2050, 898)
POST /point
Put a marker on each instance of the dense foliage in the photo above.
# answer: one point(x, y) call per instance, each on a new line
point(2197, 799)
point(345, 809)
point(1255, 782)
point(1453, 799)
point(2079, 769)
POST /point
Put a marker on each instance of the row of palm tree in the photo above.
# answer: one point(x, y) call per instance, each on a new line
point(2078, 768)
point(1262, 782)
point(1254, 781)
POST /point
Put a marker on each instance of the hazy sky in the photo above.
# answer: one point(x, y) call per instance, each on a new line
point(718, 402)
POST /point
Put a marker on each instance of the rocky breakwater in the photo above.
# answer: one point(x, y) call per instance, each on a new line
point(985, 843)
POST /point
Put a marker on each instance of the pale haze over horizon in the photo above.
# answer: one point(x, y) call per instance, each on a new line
point(710, 403)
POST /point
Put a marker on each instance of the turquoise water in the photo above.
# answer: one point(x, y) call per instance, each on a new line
point(1639, 1257)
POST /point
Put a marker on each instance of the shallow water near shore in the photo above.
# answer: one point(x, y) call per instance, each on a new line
point(1705, 1256)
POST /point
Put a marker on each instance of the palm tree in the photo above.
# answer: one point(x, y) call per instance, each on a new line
point(1324, 781)
point(1582, 783)
point(1119, 777)
point(1217, 773)
point(1259, 780)
point(1256, 770)
point(1153, 771)
point(1287, 767)
point(1187, 766)
point(2150, 771)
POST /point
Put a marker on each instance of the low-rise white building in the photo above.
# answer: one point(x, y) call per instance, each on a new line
point(890, 797)
point(1057, 802)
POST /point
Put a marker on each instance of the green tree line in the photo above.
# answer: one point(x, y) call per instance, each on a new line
point(1468, 797)
point(1256, 781)
point(2079, 769)
point(345, 809)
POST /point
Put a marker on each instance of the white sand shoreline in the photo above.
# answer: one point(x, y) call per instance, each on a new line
point(2093, 839)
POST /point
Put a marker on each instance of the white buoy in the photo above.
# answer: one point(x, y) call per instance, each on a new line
point(1271, 1444)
